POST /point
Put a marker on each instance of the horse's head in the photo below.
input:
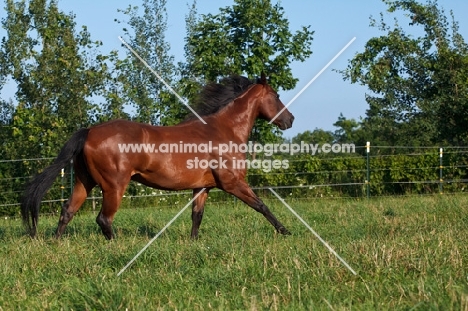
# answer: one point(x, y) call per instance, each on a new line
point(271, 107)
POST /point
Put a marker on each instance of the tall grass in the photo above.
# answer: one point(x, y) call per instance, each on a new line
point(410, 254)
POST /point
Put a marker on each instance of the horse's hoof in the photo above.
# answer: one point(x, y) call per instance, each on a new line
point(284, 231)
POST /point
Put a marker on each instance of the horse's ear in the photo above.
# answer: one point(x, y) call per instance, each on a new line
point(263, 79)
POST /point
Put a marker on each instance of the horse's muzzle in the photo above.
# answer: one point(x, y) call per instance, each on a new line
point(286, 122)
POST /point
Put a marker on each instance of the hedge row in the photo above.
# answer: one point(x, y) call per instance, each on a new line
point(305, 176)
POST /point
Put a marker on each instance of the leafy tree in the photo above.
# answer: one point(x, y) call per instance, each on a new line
point(6, 112)
point(189, 82)
point(418, 84)
point(348, 131)
point(52, 67)
point(248, 38)
point(115, 105)
point(317, 136)
point(140, 87)
point(58, 74)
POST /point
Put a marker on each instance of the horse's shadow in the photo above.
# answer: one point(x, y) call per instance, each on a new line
point(141, 230)
point(2, 233)
point(12, 232)
point(84, 230)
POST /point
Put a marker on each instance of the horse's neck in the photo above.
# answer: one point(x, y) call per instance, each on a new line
point(238, 118)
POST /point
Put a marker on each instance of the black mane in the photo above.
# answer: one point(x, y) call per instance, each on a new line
point(215, 96)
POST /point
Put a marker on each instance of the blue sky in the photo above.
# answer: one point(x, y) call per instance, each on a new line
point(335, 23)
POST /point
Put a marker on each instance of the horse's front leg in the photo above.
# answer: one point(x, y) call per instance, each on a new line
point(242, 191)
point(198, 206)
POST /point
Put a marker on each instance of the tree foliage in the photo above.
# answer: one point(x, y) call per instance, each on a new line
point(349, 131)
point(248, 38)
point(56, 77)
point(418, 84)
point(152, 102)
point(317, 136)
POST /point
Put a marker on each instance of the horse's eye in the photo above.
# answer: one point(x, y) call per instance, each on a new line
point(277, 96)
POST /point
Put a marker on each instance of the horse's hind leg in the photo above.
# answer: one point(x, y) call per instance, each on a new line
point(198, 206)
point(81, 190)
point(111, 198)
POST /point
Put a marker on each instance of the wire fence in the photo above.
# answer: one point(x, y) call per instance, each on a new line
point(375, 171)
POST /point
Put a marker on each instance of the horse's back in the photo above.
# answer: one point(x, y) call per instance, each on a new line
point(127, 150)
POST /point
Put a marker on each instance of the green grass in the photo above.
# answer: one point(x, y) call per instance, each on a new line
point(410, 254)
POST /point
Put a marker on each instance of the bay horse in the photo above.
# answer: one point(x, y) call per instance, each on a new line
point(229, 109)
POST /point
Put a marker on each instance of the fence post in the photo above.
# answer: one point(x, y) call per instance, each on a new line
point(368, 169)
point(441, 166)
point(62, 186)
point(71, 177)
point(93, 199)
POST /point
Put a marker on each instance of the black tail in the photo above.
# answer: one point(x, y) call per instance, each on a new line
point(38, 186)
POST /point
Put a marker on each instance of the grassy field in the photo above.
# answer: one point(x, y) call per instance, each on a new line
point(410, 254)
